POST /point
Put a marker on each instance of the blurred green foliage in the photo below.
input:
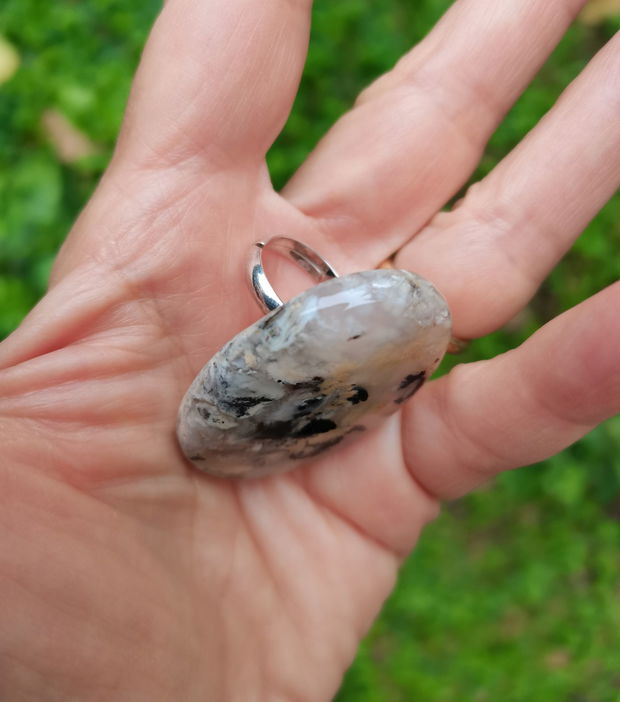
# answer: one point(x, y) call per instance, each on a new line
point(514, 593)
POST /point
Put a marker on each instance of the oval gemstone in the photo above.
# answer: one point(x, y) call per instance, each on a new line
point(322, 369)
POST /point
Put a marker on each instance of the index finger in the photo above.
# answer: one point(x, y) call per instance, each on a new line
point(217, 80)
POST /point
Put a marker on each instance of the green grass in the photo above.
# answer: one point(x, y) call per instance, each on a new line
point(514, 593)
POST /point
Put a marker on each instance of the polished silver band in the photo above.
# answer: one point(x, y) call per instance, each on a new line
point(305, 257)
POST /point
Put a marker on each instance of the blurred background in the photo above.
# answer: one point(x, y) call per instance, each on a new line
point(514, 593)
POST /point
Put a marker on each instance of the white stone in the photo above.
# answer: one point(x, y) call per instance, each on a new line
point(318, 371)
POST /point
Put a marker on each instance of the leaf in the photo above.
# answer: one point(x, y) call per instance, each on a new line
point(598, 10)
point(68, 141)
point(9, 60)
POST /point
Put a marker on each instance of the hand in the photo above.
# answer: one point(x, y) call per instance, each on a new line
point(127, 575)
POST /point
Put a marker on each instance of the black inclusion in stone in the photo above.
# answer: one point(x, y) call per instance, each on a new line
point(274, 430)
point(307, 406)
point(314, 427)
point(410, 379)
point(360, 394)
point(204, 413)
point(409, 386)
point(312, 385)
point(239, 406)
point(270, 320)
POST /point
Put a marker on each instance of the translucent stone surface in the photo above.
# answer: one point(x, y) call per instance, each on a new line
point(316, 372)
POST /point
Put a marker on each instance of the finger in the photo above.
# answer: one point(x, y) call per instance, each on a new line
point(416, 134)
point(489, 256)
point(518, 408)
point(217, 79)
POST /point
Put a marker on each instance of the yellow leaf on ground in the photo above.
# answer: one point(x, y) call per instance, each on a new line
point(598, 10)
point(68, 141)
point(9, 60)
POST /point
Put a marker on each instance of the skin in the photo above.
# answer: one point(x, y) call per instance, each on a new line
point(127, 575)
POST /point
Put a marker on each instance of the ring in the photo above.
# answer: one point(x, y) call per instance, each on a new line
point(315, 372)
point(305, 257)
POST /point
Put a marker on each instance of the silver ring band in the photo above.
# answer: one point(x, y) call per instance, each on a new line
point(305, 257)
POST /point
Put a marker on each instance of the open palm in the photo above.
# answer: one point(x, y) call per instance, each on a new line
point(127, 575)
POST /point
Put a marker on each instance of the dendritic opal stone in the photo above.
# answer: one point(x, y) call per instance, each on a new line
point(320, 370)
